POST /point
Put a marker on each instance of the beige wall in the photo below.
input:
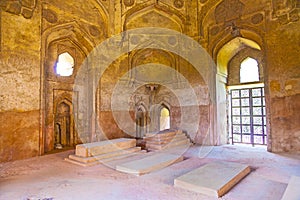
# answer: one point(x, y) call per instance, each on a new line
point(20, 86)
point(283, 69)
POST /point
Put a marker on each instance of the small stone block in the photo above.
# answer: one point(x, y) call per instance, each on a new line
point(213, 179)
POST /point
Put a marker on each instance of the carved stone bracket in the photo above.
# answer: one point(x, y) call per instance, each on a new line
point(152, 87)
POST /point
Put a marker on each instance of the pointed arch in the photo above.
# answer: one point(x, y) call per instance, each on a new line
point(230, 49)
point(60, 34)
point(64, 98)
point(103, 11)
point(68, 30)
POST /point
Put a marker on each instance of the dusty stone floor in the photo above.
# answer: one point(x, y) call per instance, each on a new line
point(50, 177)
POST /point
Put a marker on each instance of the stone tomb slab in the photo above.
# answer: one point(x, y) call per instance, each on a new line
point(292, 191)
point(149, 164)
point(213, 179)
point(97, 148)
point(105, 156)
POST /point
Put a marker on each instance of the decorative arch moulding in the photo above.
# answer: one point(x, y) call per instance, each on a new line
point(241, 29)
point(23, 7)
point(162, 10)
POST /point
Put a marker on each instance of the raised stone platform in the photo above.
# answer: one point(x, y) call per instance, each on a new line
point(98, 152)
point(292, 191)
point(213, 179)
point(166, 139)
point(107, 146)
point(149, 163)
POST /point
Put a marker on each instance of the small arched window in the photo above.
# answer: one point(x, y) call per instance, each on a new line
point(249, 71)
point(65, 65)
point(164, 119)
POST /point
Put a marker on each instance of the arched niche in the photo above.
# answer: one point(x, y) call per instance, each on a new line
point(141, 119)
point(63, 133)
point(56, 41)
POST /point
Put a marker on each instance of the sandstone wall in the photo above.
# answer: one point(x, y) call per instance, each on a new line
point(283, 61)
point(20, 85)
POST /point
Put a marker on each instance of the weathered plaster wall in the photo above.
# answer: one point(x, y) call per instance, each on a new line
point(283, 61)
point(20, 86)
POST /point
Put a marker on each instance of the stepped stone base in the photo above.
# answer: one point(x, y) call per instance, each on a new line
point(166, 139)
point(98, 152)
point(149, 163)
point(213, 179)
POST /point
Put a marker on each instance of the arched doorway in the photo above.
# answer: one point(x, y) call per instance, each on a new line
point(164, 122)
point(247, 105)
point(241, 91)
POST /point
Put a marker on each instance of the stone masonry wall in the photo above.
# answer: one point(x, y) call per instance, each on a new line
point(20, 86)
point(284, 87)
